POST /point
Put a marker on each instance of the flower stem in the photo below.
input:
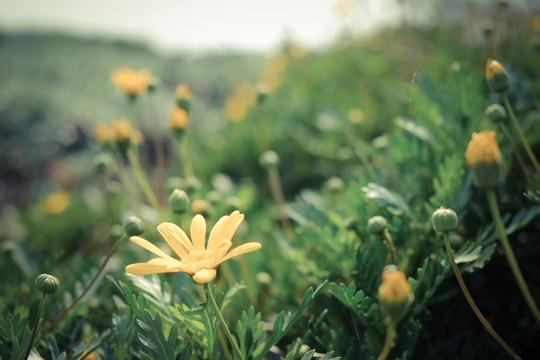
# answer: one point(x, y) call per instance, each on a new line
point(517, 154)
point(471, 302)
point(387, 240)
point(81, 295)
point(221, 320)
point(159, 152)
point(277, 194)
point(389, 342)
point(514, 266)
point(520, 133)
point(143, 182)
point(34, 328)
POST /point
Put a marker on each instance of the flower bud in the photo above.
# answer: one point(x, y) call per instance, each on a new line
point(262, 90)
point(395, 294)
point(133, 226)
point(444, 220)
point(495, 113)
point(269, 158)
point(376, 224)
point(182, 94)
point(102, 162)
point(485, 160)
point(47, 284)
point(335, 184)
point(178, 201)
point(496, 76)
point(200, 206)
point(122, 134)
point(193, 184)
point(178, 120)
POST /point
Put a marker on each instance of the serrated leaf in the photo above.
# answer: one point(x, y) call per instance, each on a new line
point(384, 198)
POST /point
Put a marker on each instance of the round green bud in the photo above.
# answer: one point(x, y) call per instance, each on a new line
point(269, 158)
point(102, 162)
point(495, 113)
point(47, 284)
point(262, 92)
point(179, 201)
point(335, 184)
point(377, 224)
point(133, 226)
point(184, 103)
point(193, 184)
point(444, 220)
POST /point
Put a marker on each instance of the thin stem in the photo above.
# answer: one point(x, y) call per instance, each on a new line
point(389, 342)
point(143, 182)
point(34, 328)
point(159, 152)
point(81, 295)
point(514, 266)
point(471, 302)
point(221, 320)
point(277, 194)
point(517, 154)
point(387, 240)
point(520, 133)
point(184, 155)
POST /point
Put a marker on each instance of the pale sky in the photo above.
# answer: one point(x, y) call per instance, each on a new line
point(197, 24)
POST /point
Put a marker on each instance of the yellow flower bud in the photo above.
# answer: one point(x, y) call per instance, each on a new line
point(178, 119)
point(182, 94)
point(496, 76)
point(395, 294)
point(103, 133)
point(131, 82)
point(56, 203)
point(485, 160)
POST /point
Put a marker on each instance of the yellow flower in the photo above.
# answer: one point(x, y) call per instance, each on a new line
point(182, 91)
point(196, 260)
point(56, 203)
point(178, 118)
point(103, 133)
point(395, 294)
point(130, 81)
point(485, 160)
point(483, 149)
point(122, 130)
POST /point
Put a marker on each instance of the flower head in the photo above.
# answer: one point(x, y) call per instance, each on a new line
point(131, 82)
point(178, 119)
point(395, 294)
point(196, 259)
point(496, 76)
point(182, 94)
point(485, 160)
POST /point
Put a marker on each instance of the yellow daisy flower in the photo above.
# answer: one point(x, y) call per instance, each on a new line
point(196, 259)
point(130, 81)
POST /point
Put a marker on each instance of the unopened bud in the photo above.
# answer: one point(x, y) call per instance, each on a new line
point(178, 201)
point(133, 226)
point(47, 284)
point(269, 158)
point(444, 220)
point(496, 76)
point(376, 224)
point(495, 113)
point(395, 294)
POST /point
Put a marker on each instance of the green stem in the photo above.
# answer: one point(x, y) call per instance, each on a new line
point(81, 295)
point(184, 155)
point(143, 182)
point(387, 240)
point(520, 133)
point(277, 194)
point(517, 154)
point(471, 302)
point(389, 342)
point(159, 151)
point(494, 209)
point(34, 328)
point(221, 320)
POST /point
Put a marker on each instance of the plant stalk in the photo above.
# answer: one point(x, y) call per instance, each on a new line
point(520, 134)
point(143, 182)
point(222, 322)
point(471, 302)
point(34, 328)
point(514, 266)
point(81, 295)
point(389, 338)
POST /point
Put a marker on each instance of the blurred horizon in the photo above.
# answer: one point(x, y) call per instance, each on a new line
point(200, 26)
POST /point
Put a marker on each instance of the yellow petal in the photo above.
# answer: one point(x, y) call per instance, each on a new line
point(235, 219)
point(215, 234)
point(176, 238)
point(242, 249)
point(198, 232)
point(157, 265)
point(149, 246)
point(219, 252)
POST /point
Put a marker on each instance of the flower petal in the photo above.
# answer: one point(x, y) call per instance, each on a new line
point(216, 233)
point(219, 252)
point(235, 219)
point(157, 265)
point(149, 246)
point(242, 249)
point(198, 232)
point(176, 238)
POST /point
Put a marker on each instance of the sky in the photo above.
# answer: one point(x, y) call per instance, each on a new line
point(197, 24)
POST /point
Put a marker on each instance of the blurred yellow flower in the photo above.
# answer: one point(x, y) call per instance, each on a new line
point(356, 116)
point(56, 202)
point(196, 260)
point(182, 91)
point(121, 130)
point(103, 133)
point(483, 149)
point(395, 294)
point(178, 118)
point(236, 106)
point(130, 81)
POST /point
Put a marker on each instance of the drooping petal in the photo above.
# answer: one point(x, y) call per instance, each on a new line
point(198, 232)
point(157, 265)
point(149, 246)
point(176, 238)
point(216, 233)
point(242, 249)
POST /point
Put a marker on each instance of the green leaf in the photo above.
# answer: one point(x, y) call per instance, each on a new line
point(386, 199)
point(250, 330)
point(200, 321)
point(150, 335)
